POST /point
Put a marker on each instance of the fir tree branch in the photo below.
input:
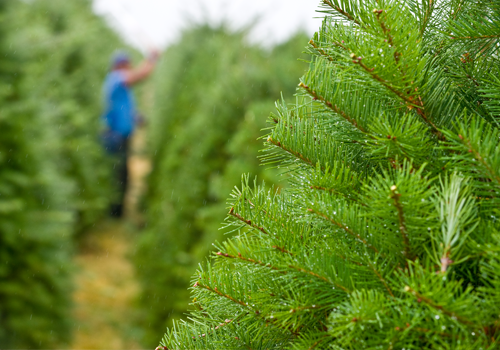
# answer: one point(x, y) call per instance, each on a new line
point(358, 60)
point(240, 257)
point(342, 12)
point(261, 229)
point(227, 296)
point(431, 303)
point(292, 152)
point(248, 222)
point(300, 269)
point(260, 263)
point(478, 156)
point(319, 277)
point(476, 37)
point(402, 225)
point(386, 31)
point(333, 107)
point(380, 278)
point(337, 192)
point(257, 312)
point(323, 52)
point(318, 342)
point(410, 101)
point(346, 229)
point(427, 17)
point(282, 249)
point(225, 323)
point(424, 330)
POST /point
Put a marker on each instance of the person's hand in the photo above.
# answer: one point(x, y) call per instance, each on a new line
point(154, 54)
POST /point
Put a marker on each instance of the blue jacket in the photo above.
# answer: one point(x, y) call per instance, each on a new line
point(120, 111)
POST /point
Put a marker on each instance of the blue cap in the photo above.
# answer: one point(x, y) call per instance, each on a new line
point(120, 57)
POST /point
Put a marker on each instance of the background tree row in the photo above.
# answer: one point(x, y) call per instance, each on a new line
point(53, 176)
point(213, 93)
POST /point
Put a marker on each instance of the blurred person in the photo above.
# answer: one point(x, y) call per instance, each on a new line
point(121, 116)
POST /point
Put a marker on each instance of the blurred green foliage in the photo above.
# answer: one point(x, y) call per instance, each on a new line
point(53, 175)
point(34, 226)
point(66, 51)
point(214, 91)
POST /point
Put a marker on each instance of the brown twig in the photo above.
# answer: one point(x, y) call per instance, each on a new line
point(319, 277)
point(320, 50)
point(333, 107)
point(260, 263)
point(380, 278)
point(390, 39)
point(402, 224)
point(427, 16)
point(342, 12)
point(411, 102)
point(346, 229)
point(282, 249)
point(429, 302)
point(317, 343)
point(248, 222)
point(478, 156)
point(227, 296)
point(476, 37)
point(292, 152)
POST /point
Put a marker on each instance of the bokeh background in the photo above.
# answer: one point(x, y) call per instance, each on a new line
point(70, 276)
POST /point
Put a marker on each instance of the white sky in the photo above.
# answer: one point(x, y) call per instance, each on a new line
point(159, 22)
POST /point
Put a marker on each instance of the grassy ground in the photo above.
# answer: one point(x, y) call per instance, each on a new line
point(106, 290)
point(106, 287)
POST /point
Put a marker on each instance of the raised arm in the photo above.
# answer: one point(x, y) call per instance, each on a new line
point(142, 71)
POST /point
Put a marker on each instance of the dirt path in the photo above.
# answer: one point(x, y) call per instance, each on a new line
point(105, 291)
point(106, 287)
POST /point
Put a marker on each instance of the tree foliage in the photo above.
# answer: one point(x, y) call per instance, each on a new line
point(211, 89)
point(52, 175)
point(387, 236)
point(66, 51)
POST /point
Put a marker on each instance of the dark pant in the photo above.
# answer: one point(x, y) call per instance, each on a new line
point(118, 148)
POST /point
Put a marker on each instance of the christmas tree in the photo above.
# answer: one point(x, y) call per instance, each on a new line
point(388, 235)
point(35, 227)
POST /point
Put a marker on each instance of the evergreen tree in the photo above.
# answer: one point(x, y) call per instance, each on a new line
point(210, 89)
point(35, 227)
point(388, 234)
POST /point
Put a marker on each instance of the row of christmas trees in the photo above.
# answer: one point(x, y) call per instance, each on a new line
point(53, 179)
point(213, 91)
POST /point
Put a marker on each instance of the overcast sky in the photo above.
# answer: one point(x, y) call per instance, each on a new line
point(159, 22)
